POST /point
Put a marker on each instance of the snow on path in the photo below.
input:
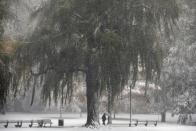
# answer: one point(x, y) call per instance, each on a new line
point(158, 128)
point(73, 122)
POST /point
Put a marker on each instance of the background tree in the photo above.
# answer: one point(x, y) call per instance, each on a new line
point(4, 70)
point(177, 79)
point(9, 41)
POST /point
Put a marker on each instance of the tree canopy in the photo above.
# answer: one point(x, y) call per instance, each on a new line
point(106, 41)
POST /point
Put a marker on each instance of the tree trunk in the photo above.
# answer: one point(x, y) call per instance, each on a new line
point(114, 115)
point(92, 93)
point(163, 116)
point(109, 104)
point(2, 109)
point(115, 111)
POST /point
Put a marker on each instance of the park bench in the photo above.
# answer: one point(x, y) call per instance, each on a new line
point(136, 122)
point(6, 122)
point(39, 123)
point(18, 124)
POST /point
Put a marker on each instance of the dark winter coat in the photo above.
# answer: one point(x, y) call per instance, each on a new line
point(103, 117)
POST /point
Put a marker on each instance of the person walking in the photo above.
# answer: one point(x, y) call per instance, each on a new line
point(104, 118)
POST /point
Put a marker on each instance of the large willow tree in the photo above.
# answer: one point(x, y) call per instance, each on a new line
point(106, 40)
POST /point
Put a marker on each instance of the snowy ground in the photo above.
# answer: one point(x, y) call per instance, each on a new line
point(73, 122)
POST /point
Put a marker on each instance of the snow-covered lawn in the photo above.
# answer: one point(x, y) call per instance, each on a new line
point(73, 122)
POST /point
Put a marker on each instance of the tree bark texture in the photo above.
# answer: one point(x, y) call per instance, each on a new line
point(92, 93)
